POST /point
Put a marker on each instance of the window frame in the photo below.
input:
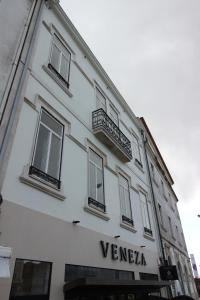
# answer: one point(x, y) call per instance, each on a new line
point(161, 214)
point(136, 146)
point(41, 297)
point(171, 228)
point(125, 219)
point(94, 203)
point(34, 171)
point(112, 108)
point(56, 40)
point(99, 90)
point(147, 231)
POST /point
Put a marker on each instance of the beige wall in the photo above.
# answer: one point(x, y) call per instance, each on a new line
point(34, 235)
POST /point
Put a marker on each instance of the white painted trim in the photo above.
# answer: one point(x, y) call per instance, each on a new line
point(40, 184)
point(148, 237)
point(128, 227)
point(57, 80)
point(96, 212)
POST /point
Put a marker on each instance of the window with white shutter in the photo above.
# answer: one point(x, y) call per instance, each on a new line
point(96, 181)
point(46, 162)
point(60, 60)
point(124, 195)
point(100, 99)
point(145, 213)
point(136, 151)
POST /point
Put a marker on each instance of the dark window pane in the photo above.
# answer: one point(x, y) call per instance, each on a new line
point(30, 278)
point(50, 122)
point(40, 160)
point(73, 272)
point(55, 155)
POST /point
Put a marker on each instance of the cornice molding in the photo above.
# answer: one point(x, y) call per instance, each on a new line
point(91, 57)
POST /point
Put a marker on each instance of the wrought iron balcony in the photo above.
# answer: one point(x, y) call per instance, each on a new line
point(110, 134)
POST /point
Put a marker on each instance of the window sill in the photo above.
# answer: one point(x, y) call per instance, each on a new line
point(148, 237)
point(58, 81)
point(96, 212)
point(139, 165)
point(128, 227)
point(40, 184)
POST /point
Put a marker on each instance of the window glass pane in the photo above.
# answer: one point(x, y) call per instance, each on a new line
point(145, 213)
point(92, 181)
point(96, 159)
point(54, 158)
point(100, 196)
point(30, 278)
point(136, 149)
point(128, 204)
point(64, 68)
point(124, 197)
point(40, 159)
point(122, 200)
point(123, 181)
point(51, 123)
point(55, 57)
point(114, 115)
point(101, 100)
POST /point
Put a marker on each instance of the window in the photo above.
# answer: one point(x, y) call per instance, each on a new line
point(171, 201)
point(101, 100)
point(152, 171)
point(177, 234)
point(60, 60)
point(46, 162)
point(170, 226)
point(163, 188)
point(145, 214)
point(114, 115)
point(160, 213)
point(73, 272)
point(125, 200)
point(136, 151)
point(31, 279)
point(96, 183)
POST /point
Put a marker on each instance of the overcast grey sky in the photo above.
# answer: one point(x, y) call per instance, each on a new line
point(151, 51)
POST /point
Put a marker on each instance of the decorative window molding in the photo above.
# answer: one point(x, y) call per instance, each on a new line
point(97, 213)
point(114, 115)
point(128, 227)
point(47, 155)
point(101, 99)
point(57, 80)
point(144, 204)
point(35, 175)
point(59, 62)
point(40, 184)
point(96, 192)
point(125, 201)
point(137, 152)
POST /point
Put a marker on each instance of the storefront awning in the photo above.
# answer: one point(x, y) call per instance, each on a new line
point(114, 285)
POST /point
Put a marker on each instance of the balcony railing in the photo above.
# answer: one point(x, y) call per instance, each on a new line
point(111, 135)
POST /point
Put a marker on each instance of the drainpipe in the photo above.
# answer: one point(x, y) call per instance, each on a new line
point(144, 139)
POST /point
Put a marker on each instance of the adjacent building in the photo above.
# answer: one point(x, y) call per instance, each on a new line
point(78, 207)
point(173, 246)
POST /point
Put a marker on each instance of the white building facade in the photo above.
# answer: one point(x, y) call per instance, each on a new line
point(77, 204)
